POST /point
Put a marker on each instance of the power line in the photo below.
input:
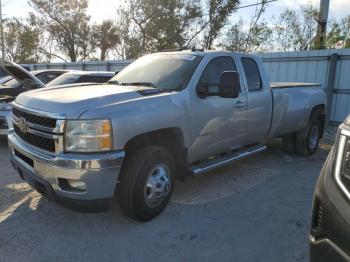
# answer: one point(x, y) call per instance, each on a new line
point(250, 5)
point(261, 3)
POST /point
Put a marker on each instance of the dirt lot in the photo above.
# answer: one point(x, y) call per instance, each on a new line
point(258, 209)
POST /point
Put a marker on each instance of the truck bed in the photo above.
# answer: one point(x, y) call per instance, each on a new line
point(291, 105)
point(291, 84)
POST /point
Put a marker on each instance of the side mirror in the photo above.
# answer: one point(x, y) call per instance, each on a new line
point(229, 86)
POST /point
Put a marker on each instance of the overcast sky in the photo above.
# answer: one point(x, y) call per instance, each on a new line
point(105, 9)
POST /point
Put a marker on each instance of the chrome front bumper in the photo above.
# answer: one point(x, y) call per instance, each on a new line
point(99, 172)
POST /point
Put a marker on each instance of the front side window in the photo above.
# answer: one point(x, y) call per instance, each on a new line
point(211, 75)
point(161, 71)
point(252, 74)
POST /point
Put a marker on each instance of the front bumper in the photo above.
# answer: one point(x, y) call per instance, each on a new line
point(45, 172)
point(330, 229)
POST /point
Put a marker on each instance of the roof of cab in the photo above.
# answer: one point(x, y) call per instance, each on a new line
point(200, 52)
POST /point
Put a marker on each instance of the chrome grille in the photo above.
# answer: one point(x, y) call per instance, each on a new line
point(341, 169)
point(41, 131)
point(35, 119)
point(35, 140)
point(345, 167)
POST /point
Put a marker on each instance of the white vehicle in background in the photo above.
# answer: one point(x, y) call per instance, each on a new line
point(78, 77)
point(10, 87)
point(20, 80)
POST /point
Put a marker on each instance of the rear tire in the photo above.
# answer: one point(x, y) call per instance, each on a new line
point(308, 139)
point(146, 183)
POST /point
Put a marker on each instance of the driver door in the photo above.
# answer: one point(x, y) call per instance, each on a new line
point(217, 124)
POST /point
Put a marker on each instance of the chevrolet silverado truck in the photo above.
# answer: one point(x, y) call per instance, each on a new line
point(167, 115)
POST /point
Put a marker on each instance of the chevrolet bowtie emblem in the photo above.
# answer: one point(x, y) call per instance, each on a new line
point(22, 125)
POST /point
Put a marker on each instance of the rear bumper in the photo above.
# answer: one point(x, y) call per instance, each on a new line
point(45, 173)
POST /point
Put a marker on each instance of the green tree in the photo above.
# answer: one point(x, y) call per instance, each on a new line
point(296, 30)
point(21, 41)
point(162, 24)
point(254, 38)
point(247, 41)
point(67, 24)
point(219, 12)
point(106, 36)
point(339, 34)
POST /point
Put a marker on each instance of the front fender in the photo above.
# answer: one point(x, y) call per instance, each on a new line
point(147, 114)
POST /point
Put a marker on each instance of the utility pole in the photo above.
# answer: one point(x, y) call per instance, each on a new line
point(322, 24)
point(2, 33)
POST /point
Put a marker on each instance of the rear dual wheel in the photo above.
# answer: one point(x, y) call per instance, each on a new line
point(306, 141)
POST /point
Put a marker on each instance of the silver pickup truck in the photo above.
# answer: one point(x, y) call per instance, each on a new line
point(167, 115)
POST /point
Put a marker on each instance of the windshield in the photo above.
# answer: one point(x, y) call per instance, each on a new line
point(162, 71)
point(64, 79)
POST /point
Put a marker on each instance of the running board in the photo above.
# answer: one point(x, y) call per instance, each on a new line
point(209, 165)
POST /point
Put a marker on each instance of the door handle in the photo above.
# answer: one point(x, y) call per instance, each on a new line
point(239, 104)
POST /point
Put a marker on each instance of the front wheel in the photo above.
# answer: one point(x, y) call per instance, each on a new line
point(146, 183)
point(308, 139)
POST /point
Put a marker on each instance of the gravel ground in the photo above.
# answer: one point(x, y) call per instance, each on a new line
point(257, 209)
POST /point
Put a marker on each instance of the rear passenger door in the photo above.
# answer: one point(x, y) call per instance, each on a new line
point(259, 111)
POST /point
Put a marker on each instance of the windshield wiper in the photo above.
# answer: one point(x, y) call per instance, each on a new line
point(148, 84)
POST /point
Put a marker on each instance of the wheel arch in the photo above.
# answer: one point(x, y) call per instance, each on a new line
point(170, 138)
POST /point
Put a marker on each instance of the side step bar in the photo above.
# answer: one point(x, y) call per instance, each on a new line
point(206, 166)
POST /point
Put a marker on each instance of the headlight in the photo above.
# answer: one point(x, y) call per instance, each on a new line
point(88, 135)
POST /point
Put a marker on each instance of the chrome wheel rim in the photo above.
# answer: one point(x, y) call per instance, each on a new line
point(158, 185)
point(313, 137)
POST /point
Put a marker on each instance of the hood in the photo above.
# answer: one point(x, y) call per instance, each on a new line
point(73, 101)
point(27, 79)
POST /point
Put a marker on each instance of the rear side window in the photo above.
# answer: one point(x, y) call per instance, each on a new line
point(252, 74)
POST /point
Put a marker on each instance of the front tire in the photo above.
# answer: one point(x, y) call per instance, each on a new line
point(308, 139)
point(146, 183)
